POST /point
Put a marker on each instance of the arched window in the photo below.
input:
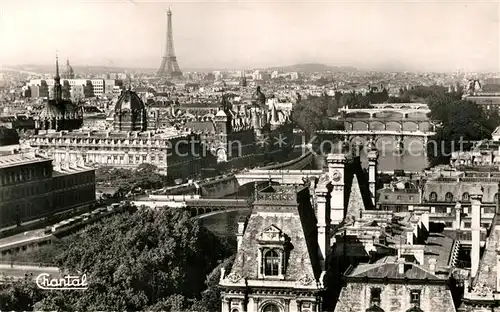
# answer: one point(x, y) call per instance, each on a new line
point(271, 263)
point(465, 197)
point(448, 197)
point(433, 197)
point(271, 308)
point(496, 197)
point(235, 310)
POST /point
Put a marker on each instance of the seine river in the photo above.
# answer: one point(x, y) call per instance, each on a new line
point(413, 159)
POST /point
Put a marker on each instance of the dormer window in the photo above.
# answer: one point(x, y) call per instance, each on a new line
point(448, 197)
point(272, 253)
point(271, 262)
point(433, 197)
point(415, 298)
point(375, 296)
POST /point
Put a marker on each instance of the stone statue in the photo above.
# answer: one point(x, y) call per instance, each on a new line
point(222, 273)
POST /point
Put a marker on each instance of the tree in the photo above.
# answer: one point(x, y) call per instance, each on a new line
point(19, 295)
point(311, 114)
point(148, 258)
point(462, 123)
point(145, 176)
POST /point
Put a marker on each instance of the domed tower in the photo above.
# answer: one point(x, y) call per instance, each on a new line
point(130, 112)
point(68, 72)
point(258, 98)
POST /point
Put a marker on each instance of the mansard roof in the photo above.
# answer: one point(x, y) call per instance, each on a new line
point(297, 224)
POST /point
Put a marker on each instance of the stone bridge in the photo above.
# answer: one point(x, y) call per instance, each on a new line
point(419, 124)
point(377, 112)
point(401, 105)
point(378, 133)
point(196, 205)
point(279, 176)
point(370, 137)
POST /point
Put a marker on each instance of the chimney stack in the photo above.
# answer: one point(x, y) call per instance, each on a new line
point(336, 165)
point(432, 265)
point(476, 196)
point(240, 231)
point(409, 236)
point(372, 174)
point(401, 265)
point(323, 214)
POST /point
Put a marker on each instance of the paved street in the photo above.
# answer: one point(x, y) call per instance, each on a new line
point(18, 271)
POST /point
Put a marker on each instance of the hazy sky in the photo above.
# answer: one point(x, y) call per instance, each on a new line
point(418, 35)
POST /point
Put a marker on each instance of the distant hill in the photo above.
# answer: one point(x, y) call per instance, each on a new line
point(303, 68)
point(313, 68)
point(79, 69)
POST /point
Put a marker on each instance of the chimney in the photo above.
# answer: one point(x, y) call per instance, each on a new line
point(476, 196)
point(401, 265)
point(409, 237)
point(336, 165)
point(498, 269)
point(323, 214)
point(432, 265)
point(240, 231)
point(458, 212)
point(372, 174)
point(425, 221)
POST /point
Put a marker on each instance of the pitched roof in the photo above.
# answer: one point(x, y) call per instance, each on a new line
point(357, 195)
point(391, 271)
point(487, 272)
point(355, 206)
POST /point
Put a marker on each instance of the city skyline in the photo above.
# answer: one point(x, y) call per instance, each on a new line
point(389, 36)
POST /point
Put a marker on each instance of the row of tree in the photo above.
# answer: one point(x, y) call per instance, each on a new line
point(144, 177)
point(461, 123)
point(156, 260)
point(310, 114)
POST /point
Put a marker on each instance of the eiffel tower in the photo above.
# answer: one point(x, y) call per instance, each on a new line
point(169, 67)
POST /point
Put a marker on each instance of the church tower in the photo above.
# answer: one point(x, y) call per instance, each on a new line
point(57, 83)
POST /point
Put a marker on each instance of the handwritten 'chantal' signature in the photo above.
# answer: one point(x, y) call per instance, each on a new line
point(44, 281)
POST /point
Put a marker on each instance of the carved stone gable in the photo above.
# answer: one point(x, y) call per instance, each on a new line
point(272, 234)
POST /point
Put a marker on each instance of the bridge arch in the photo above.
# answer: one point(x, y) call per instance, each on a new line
point(377, 125)
point(404, 107)
point(410, 125)
point(393, 125)
point(358, 140)
point(348, 125)
point(357, 115)
point(424, 126)
point(390, 113)
point(360, 125)
point(417, 115)
point(194, 212)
